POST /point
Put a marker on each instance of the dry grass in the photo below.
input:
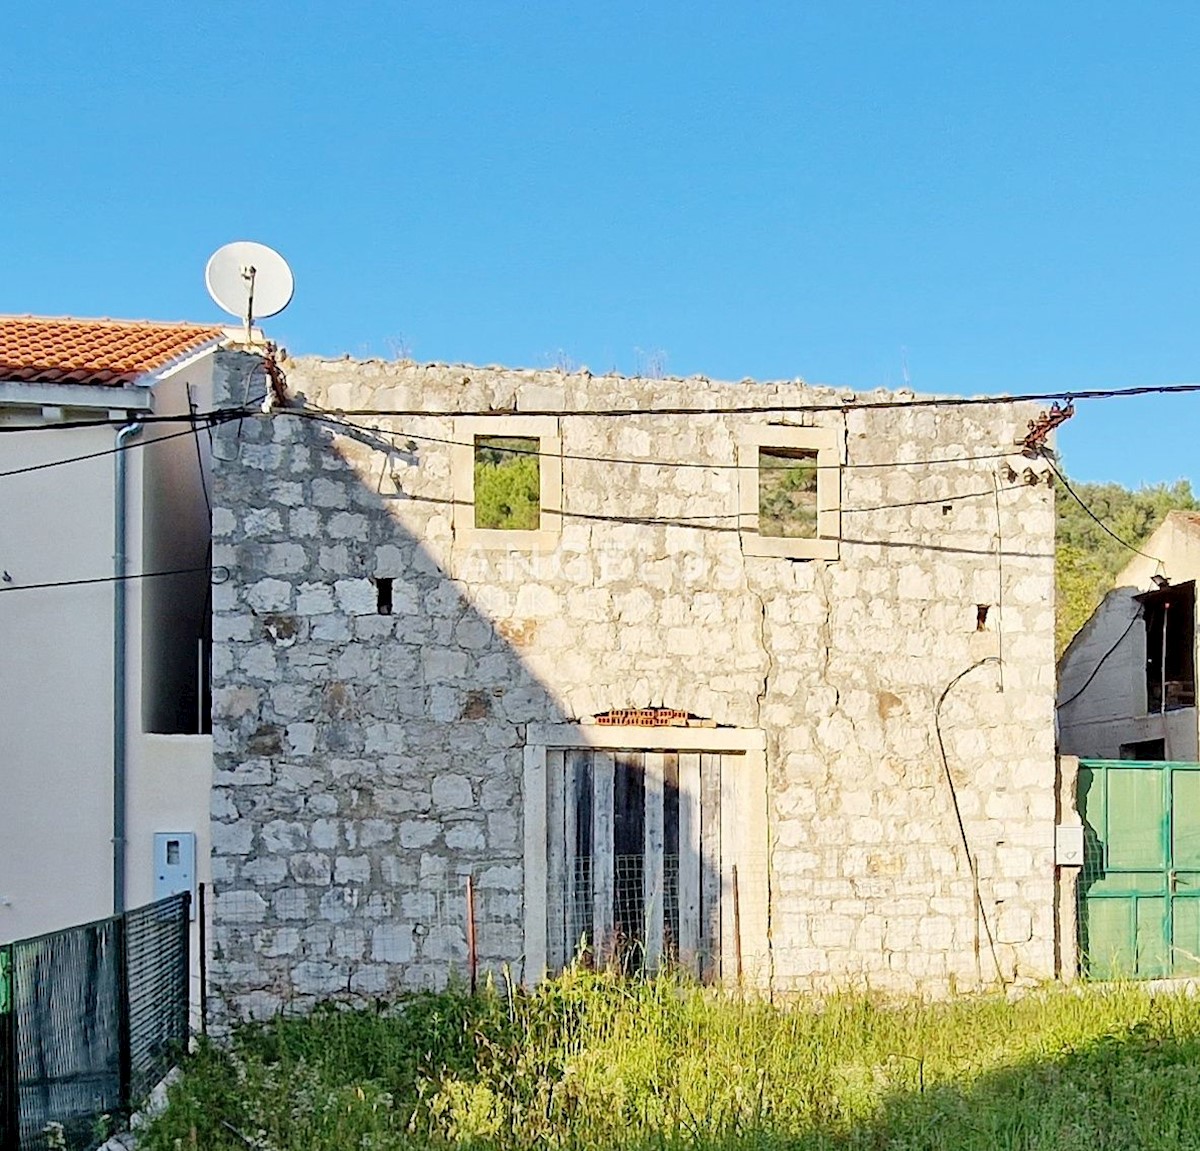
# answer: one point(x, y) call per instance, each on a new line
point(591, 1061)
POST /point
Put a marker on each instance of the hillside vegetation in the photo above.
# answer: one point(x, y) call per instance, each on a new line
point(593, 1061)
point(1087, 559)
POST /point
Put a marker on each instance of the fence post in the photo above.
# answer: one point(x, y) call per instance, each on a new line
point(10, 1099)
point(185, 929)
point(202, 922)
point(737, 927)
point(472, 952)
point(124, 1039)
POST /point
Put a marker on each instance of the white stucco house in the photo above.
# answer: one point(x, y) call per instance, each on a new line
point(103, 680)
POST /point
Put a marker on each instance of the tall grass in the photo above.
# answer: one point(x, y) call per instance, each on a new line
point(594, 1061)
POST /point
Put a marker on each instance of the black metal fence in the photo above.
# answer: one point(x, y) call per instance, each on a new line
point(91, 1018)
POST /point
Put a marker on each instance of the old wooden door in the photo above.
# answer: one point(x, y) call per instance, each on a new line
point(657, 857)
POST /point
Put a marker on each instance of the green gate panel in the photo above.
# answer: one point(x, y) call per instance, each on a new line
point(1185, 936)
point(1110, 938)
point(1136, 820)
point(1139, 891)
point(1185, 820)
point(5, 980)
point(1153, 946)
point(1090, 800)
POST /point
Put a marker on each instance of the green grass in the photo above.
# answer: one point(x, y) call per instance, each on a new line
point(591, 1061)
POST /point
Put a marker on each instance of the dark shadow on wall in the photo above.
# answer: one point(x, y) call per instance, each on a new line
point(369, 730)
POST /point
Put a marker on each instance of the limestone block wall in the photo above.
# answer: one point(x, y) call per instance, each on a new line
point(365, 762)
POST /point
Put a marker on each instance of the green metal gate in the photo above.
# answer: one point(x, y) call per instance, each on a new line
point(1139, 893)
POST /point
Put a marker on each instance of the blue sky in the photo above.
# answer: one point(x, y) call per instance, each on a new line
point(981, 197)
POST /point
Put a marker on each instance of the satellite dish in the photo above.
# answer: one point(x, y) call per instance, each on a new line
point(249, 280)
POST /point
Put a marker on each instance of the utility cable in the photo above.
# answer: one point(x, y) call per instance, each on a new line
point(962, 830)
point(847, 405)
point(1075, 495)
point(1096, 670)
point(140, 442)
point(337, 419)
point(224, 578)
point(220, 414)
point(999, 578)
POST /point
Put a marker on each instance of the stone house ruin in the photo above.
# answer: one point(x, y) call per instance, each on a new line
point(757, 678)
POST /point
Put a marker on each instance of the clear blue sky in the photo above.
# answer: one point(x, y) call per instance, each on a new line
point(998, 197)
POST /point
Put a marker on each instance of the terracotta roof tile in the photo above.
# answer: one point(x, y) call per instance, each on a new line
point(44, 349)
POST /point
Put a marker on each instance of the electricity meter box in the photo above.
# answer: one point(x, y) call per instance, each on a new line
point(175, 864)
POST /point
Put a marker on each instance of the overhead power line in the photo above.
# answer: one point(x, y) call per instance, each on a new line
point(1075, 495)
point(337, 419)
point(847, 405)
point(11, 587)
point(218, 414)
point(1100, 663)
point(125, 447)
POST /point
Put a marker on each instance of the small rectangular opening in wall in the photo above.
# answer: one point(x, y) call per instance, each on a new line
point(383, 595)
point(1145, 750)
point(787, 492)
point(507, 483)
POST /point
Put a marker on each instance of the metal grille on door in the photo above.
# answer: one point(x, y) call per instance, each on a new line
point(657, 857)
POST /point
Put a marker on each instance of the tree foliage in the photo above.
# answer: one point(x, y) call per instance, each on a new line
point(787, 493)
point(507, 484)
point(1087, 559)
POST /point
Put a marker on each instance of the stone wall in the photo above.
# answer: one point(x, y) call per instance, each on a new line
point(365, 762)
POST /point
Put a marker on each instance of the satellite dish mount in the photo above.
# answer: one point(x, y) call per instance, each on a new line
point(250, 281)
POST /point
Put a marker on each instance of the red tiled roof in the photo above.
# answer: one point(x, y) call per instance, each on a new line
point(62, 350)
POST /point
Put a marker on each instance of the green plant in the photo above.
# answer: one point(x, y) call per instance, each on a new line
point(507, 484)
point(592, 1060)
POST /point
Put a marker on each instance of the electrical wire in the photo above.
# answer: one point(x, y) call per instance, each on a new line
point(140, 442)
point(1075, 495)
point(337, 419)
point(847, 405)
point(962, 830)
point(120, 421)
point(737, 409)
point(225, 576)
point(1096, 670)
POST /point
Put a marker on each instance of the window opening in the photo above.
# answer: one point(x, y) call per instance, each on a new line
point(1145, 749)
point(1170, 617)
point(981, 614)
point(787, 492)
point(383, 595)
point(507, 483)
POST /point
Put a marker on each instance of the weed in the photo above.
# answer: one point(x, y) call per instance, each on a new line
point(593, 1060)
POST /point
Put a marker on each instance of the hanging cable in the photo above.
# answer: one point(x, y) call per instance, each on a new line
point(962, 830)
point(1076, 497)
point(1096, 670)
point(848, 404)
point(223, 578)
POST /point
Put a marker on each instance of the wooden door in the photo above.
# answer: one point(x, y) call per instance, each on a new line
point(657, 857)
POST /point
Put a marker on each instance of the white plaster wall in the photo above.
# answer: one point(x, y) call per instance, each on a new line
point(56, 674)
point(175, 522)
point(170, 778)
point(55, 684)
